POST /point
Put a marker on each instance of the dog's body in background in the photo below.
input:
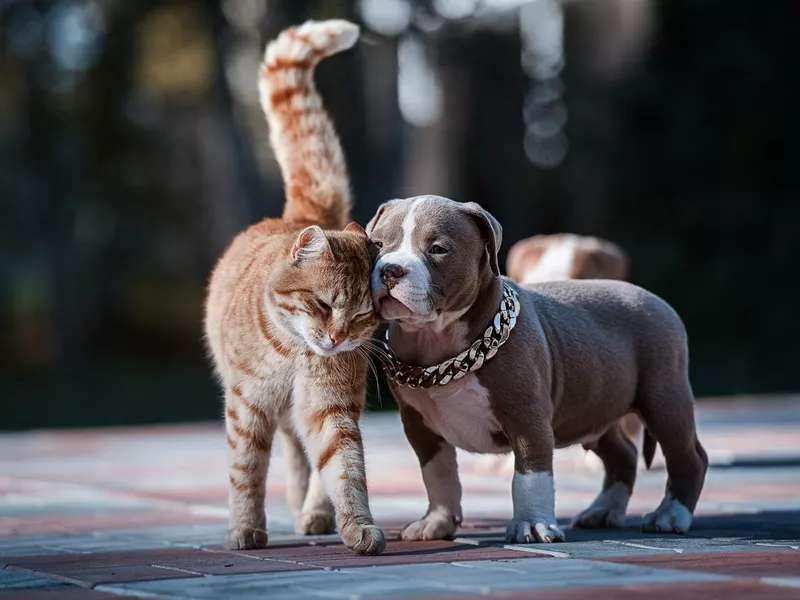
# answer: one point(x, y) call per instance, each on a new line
point(582, 355)
point(563, 256)
point(558, 257)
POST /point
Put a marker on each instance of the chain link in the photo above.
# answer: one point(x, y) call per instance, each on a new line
point(469, 361)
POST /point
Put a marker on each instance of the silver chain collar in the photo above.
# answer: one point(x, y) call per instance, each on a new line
point(469, 361)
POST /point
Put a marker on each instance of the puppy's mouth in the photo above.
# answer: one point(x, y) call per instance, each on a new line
point(391, 308)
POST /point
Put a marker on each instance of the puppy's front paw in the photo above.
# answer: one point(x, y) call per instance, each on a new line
point(536, 530)
point(246, 538)
point(432, 527)
point(364, 539)
point(315, 523)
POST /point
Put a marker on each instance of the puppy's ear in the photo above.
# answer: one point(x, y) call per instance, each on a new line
point(491, 231)
point(381, 210)
point(310, 243)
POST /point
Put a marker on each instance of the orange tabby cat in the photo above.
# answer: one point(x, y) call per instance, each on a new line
point(288, 307)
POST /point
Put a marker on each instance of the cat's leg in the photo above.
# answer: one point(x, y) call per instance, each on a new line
point(298, 470)
point(305, 493)
point(328, 411)
point(249, 431)
point(318, 516)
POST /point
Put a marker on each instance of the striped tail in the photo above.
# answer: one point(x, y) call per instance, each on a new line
point(302, 135)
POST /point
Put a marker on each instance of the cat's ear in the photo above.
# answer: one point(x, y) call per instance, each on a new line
point(311, 243)
point(355, 228)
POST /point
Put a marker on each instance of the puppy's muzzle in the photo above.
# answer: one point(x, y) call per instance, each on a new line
point(390, 274)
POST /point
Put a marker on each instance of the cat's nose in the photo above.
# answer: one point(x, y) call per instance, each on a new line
point(337, 338)
point(390, 273)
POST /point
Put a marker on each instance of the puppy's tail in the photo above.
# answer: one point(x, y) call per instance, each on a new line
point(648, 448)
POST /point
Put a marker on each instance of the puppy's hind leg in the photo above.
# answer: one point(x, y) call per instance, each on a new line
point(668, 414)
point(619, 456)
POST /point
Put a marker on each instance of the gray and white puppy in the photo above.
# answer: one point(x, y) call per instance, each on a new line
point(582, 355)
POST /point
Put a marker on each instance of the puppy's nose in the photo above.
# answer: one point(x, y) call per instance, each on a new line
point(391, 273)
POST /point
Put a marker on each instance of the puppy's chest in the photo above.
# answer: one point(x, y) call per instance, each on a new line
point(460, 412)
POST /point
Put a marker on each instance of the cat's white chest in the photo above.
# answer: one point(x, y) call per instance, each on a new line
point(459, 412)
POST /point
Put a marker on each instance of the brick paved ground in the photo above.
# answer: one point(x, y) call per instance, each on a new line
point(141, 512)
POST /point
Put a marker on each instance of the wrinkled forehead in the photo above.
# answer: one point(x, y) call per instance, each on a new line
point(424, 219)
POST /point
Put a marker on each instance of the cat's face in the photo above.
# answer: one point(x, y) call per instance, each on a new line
point(323, 297)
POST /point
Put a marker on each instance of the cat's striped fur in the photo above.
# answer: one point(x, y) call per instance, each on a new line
point(288, 308)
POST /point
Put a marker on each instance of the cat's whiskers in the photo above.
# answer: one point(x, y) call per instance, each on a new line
point(363, 352)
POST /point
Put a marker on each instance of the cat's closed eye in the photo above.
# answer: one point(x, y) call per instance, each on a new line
point(324, 306)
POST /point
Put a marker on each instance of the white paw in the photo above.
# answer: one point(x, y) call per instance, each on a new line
point(670, 517)
point(607, 510)
point(535, 530)
point(432, 527)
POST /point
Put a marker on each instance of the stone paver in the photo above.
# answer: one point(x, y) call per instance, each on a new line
point(141, 512)
point(740, 564)
point(418, 580)
point(730, 590)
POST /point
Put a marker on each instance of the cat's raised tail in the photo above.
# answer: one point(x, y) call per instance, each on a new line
point(301, 133)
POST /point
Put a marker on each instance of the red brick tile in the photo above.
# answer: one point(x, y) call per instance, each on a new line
point(336, 555)
point(103, 559)
point(459, 554)
point(737, 590)
point(743, 564)
point(95, 575)
point(293, 551)
point(212, 563)
point(97, 522)
point(336, 548)
point(140, 565)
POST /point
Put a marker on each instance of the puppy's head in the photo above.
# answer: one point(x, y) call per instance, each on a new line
point(432, 257)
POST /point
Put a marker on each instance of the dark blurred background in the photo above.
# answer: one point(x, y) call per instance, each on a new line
point(132, 149)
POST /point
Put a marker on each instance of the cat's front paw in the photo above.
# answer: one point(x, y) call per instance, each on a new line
point(315, 523)
point(432, 527)
point(535, 530)
point(246, 538)
point(364, 539)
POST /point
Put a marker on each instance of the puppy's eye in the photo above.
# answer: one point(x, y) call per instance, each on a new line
point(377, 244)
point(437, 249)
point(324, 306)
